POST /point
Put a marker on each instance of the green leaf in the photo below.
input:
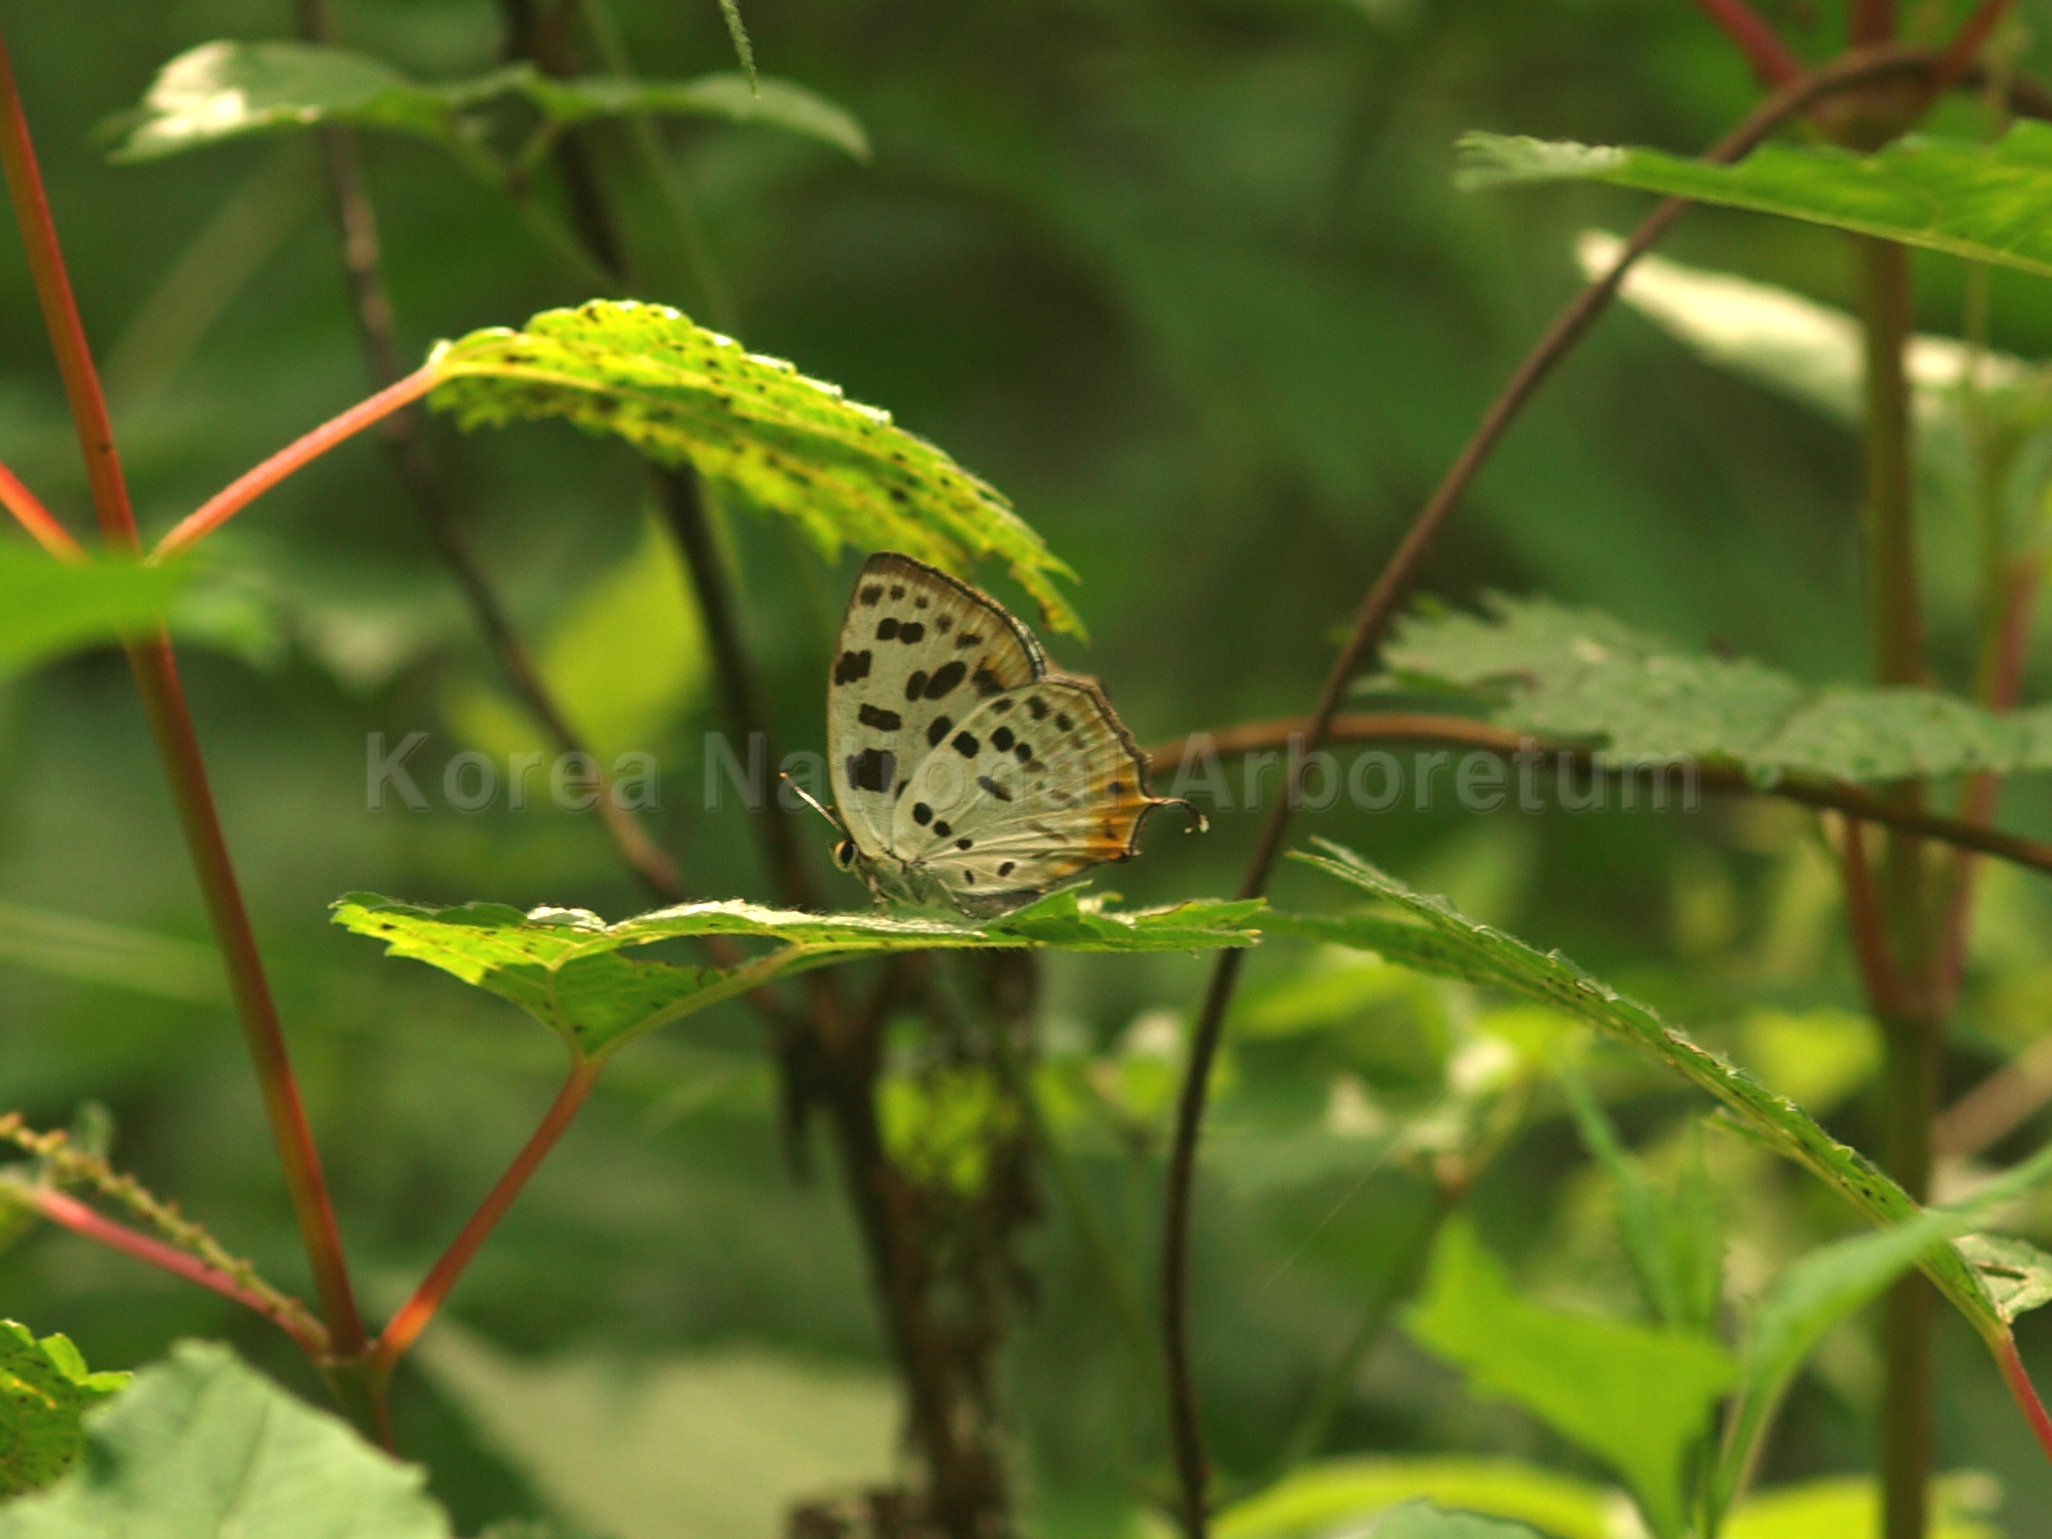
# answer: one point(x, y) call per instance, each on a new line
point(1851, 1505)
point(1426, 933)
point(52, 607)
point(1635, 1397)
point(1422, 1520)
point(1824, 1288)
point(1985, 202)
point(2017, 1275)
point(202, 1445)
point(569, 969)
point(625, 658)
point(1673, 1240)
point(225, 90)
point(754, 427)
point(1579, 675)
point(44, 1391)
point(112, 955)
point(1335, 1495)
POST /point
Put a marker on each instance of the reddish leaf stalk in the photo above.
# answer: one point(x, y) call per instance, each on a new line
point(1967, 43)
point(42, 526)
point(156, 673)
point(67, 1211)
point(413, 1316)
point(252, 484)
point(1763, 48)
point(2024, 1392)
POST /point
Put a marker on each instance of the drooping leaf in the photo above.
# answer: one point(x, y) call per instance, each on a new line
point(44, 1391)
point(1824, 1288)
point(52, 607)
point(1635, 1397)
point(202, 1445)
point(1579, 675)
point(225, 90)
point(572, 971)
point(2017, 1275)
point(1340, 1495)
point(1422, 1520)
point(1426, 933)
point(1984, 202)
point(765, 434)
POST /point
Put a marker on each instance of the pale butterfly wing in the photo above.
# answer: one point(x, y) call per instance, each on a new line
point(918, 652)
point(1036, 784)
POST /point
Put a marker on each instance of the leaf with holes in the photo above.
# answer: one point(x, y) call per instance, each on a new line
point(44, 1391)
point(571, 970)
point(1578, 675)
point(227, 90)
point(764, 434)
point(1984, 202)
point(1426, 933)
point(2017, 1275)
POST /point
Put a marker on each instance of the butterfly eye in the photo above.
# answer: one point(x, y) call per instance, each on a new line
point(844, 854)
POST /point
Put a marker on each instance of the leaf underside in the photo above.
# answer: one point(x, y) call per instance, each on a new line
point(1578, 675)
point(1984, 202)
point(765, 434)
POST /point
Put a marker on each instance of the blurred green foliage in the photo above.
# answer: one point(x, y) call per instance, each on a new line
point(1191, 284)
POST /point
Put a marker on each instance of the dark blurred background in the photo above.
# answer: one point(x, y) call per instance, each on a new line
point(1189, 280)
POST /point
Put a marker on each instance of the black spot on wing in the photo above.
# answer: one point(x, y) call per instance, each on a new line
point(986, 682)
point(870, 770)
point(887, 629)
point(871, 594)
point(940, 729)
point(1062, 721)
point(883, 721)
point(1001, 740)
point(944, 679)
point(852, 666)
point(897, 590)
point(922, 814)
point(1023, 753)
point(1038, 707)
point(916, 685)
point(966, 746)
point(967, 640)
point(992, 788)
point(942, 829)
point(910, 632)
point(965, 843)
point(1006, 868)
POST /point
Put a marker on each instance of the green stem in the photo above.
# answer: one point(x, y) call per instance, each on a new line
point(1913, 1028)
point(156, 673)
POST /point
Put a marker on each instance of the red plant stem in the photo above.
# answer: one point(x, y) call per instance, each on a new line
point(156, 673)
point(37, 519)
point(252, 484)
point(74, 1215)
point(413, 1316)
point(2024, 1393)
point(1967, 42)
point(1863, 917)
point(1763, 49)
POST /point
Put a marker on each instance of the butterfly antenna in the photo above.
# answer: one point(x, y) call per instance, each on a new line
point(809, 800)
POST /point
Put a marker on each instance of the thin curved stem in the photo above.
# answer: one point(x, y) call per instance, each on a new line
point(68, 1212)
point(1192, 1473)
point(1758, 41)
point(413, 1316)
point(41, 524)
point(297, 455)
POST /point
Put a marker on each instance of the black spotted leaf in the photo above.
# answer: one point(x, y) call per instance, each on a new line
point(45, 1389)
point(766, 435)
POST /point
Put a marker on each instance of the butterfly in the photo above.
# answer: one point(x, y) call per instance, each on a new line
point(966, 773)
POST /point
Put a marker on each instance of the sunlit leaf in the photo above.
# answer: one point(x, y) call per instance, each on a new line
point(624, 660)
point(1635, 1397)
point(1426, 933)
point(44, 1391)
point(1422, 1520)
point(1342, 1495)
point(1829, 1285)
point(1985, 202)
point(225, 90)
point(52, 607)
point(756, 428)
point(1578, 675)
point(572, 971)
point(201, 1445)
point(1851, 1505)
